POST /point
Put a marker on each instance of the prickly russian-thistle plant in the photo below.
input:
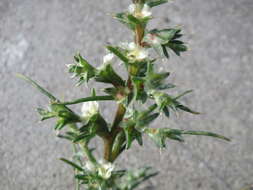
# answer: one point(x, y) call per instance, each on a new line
point(144, 86)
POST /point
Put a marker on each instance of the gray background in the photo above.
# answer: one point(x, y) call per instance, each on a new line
point(38, 38)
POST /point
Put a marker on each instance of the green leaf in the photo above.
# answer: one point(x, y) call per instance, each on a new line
point(177, 105)
point(116, 51)
point(144, 121)
point(160, 39)
point(60, 124)
point(159, 49)
point(168, 34)
point(166, 111)
point(64, 112)
point(165, 52)
point(108, 75)
point(205, 133)
point(37, 86)
point(82, 69)
point(159, 135)
point(45, 114)
point(153, 3)
point(84, 136)
point(133, 178)
point(164, 100)
point(134, 20)
point(139, 91)
point(75, 166)
point(122, 17)
point(65, 115)
point(156, 80)
point(132, 134)
point(65, 137)
point(69, 135)
point(177, 48)
point(184, 93)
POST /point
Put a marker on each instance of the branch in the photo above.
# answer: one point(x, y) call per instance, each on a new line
point(87, 99)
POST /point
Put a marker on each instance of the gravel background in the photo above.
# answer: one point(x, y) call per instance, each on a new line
point(38, 38)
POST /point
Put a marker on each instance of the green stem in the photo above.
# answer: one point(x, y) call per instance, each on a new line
point(121, 110)
point(109, 141)
point(87, 99)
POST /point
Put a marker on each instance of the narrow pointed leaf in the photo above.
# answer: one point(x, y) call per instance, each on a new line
point(153, 3)
point(186, 109)
point(118, 53)
point(37, 86)
point(186, 92)
point(205, 133)
point(72, 164)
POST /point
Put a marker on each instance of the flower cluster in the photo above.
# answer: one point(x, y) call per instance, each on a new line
point(139, 10)
point(103, 168)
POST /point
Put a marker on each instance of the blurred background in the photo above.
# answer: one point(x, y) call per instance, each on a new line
point(38, 38)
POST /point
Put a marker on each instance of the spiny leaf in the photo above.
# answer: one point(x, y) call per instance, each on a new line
point(159, 135)
point(60, 124)
point(72, 164)
point(180, 95)
point(81, 69)
point(83, 137)
point(37, 86)
point(134, 19)
point(205, 133)
point(186, 109)
point(45, 114)
point(122, 17)
point(108, 75)
point(153, 3)
point(118, 53)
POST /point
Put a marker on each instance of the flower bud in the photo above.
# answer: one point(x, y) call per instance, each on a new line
point(108, 58)
point(105, 169)
point(90, 166)
point(138, 11)
point(89, 109)
point(137, 52)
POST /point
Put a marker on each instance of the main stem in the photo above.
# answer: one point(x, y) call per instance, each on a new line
point(109, 154)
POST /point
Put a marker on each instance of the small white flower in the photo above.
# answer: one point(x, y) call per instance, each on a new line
point(108, 58)
point(139, 12)
point(124, 45)
point(137, 52)
point(131, 8)
point(105, 169)
point(146, 11)
point(132, 46)
point(89, 109)
point(90, 166)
